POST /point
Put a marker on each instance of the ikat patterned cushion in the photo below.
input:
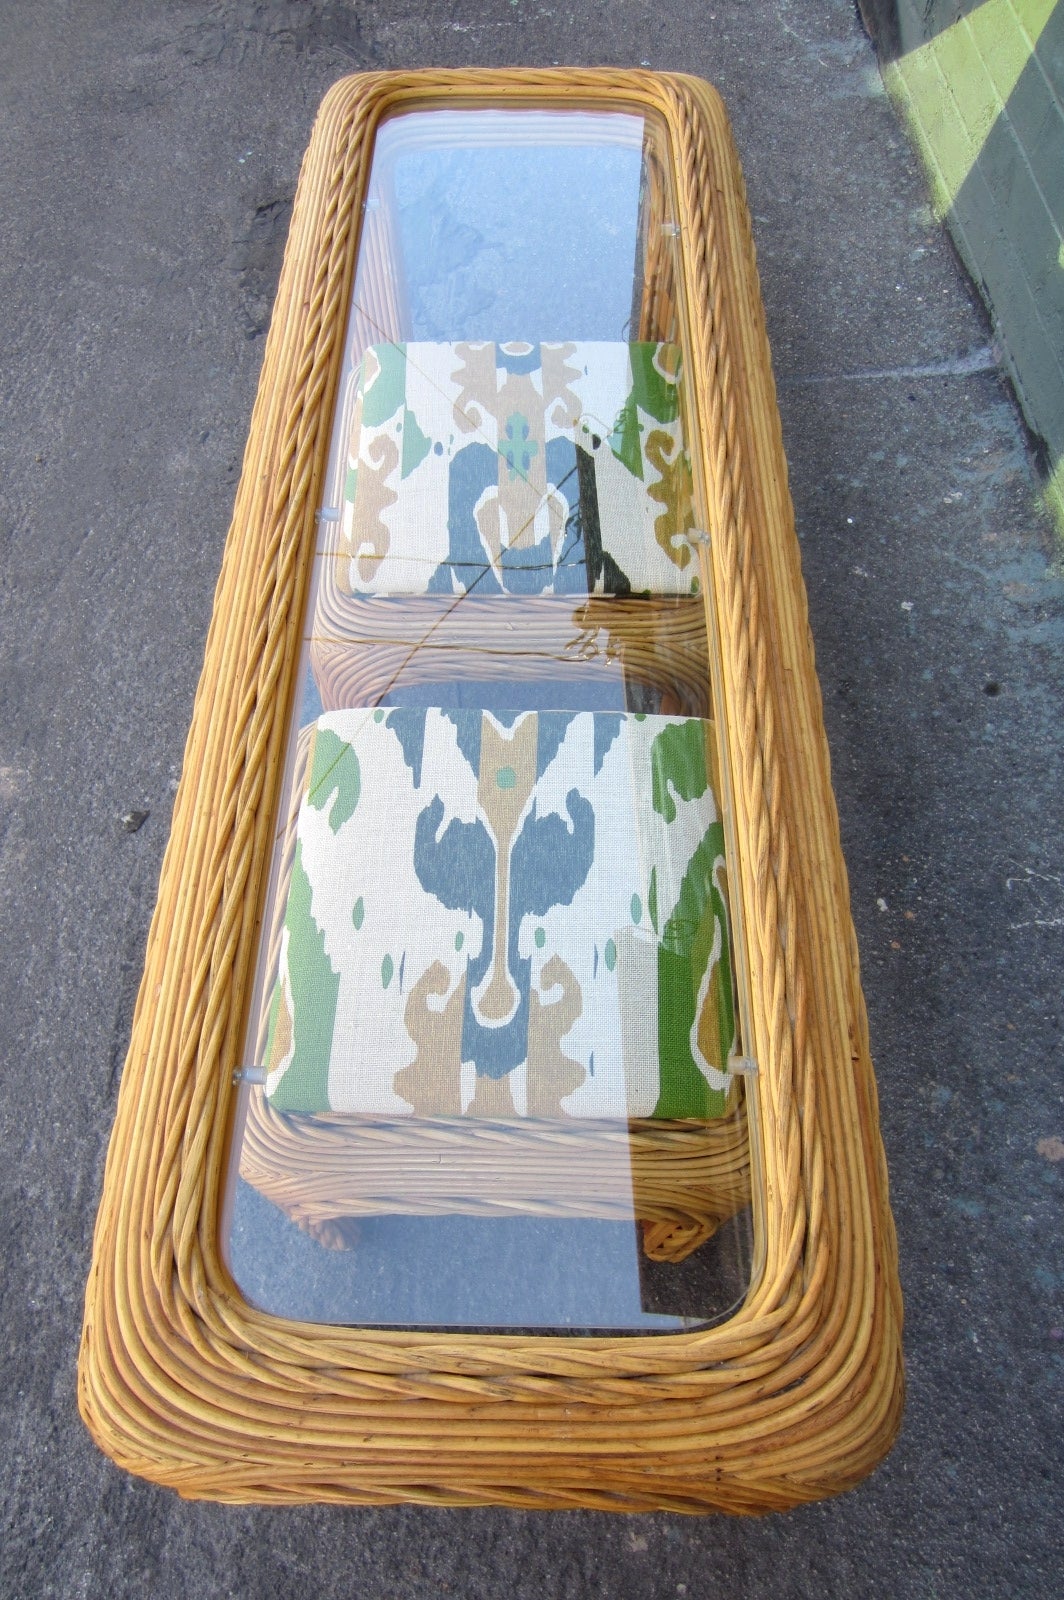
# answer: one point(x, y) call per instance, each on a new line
point(505, 914)
point(517, 468)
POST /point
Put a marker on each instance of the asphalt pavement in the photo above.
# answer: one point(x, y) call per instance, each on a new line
point(150, 154)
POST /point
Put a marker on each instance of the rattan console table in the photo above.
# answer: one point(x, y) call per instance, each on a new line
point(498, 1124)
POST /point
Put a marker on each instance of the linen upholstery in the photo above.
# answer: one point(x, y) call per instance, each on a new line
point(553, 468)
point(508, 914)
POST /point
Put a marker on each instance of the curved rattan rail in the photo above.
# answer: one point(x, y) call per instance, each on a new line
point(800, 1392)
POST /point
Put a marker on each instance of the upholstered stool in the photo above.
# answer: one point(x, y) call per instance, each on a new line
point(546, 939)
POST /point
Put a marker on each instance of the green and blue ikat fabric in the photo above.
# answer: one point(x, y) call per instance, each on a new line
point(562, 468)
point(505, 914)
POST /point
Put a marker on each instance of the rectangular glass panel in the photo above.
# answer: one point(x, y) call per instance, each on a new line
point(493, 1067)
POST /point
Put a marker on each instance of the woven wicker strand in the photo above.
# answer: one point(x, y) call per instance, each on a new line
point(800, 1392)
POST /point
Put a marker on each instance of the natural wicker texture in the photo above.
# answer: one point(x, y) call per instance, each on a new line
point(797, 1395)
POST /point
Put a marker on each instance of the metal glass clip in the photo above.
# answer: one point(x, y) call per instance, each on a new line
point(249, 1075)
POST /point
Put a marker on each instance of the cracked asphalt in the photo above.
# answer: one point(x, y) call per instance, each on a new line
point(150, 157)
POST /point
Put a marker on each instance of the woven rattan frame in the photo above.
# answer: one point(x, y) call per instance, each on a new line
point(799, 1393)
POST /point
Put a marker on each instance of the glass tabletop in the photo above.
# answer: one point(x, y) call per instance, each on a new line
point(494, 1069)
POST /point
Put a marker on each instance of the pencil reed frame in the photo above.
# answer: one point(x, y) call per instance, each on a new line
point(798, 1394)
